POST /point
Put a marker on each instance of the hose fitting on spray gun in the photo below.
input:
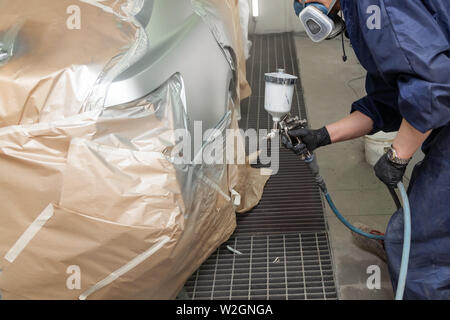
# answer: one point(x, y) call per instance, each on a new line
point(311, 161)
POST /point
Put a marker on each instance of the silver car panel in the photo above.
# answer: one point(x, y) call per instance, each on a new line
point(180, 42)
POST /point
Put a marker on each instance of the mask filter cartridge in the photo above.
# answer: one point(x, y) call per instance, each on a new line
point(318, 24)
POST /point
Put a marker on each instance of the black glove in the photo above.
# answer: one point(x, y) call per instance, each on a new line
point(312, 139)
point(388, 172)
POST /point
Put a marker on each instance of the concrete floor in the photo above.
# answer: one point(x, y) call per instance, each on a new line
point(330, 87)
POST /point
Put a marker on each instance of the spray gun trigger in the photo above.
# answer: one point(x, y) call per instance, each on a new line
point(289, 123)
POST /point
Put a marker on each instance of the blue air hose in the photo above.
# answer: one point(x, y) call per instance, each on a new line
point(312, 163)
point(406, 243)
point(348, 224)
point(406, 236)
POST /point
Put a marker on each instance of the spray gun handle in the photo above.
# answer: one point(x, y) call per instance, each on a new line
point(306, 156)
point(290, 123)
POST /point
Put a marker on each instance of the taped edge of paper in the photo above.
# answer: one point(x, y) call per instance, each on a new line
point(124, 269)
point(29, 234)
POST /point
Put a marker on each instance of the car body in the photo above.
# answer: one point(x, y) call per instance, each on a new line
point(87, 120)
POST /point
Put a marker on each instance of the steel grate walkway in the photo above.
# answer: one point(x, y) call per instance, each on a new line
point(284, 266)
point(283, 241)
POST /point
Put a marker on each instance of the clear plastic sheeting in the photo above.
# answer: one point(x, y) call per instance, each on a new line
point(57, 57)
point(223, 18)
point(244, 12)
point(94, 204)
point(118, 204)
point(8, 42)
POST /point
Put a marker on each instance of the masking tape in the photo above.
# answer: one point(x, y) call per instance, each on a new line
point(29, 234)
point(124, 269)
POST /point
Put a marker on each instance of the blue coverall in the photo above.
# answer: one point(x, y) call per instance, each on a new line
point(408, 64)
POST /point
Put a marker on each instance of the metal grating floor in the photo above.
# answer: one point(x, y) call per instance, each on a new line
point(276, 267)
point(283, 241)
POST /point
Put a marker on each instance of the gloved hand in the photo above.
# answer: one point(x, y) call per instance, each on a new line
point(388, 172)
point(312, 139)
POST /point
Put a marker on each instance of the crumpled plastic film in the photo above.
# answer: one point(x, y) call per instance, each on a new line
point(117, 200)
point(8, 42)
point(125, 10)
point(223, 16)
point(59, 58)
point(92, 197)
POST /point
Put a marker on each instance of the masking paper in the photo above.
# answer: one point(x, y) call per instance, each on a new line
point(92, 203)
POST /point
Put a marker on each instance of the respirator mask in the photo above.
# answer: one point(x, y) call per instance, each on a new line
point(320, 24)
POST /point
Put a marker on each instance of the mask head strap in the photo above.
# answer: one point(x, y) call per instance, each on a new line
point(333, 3)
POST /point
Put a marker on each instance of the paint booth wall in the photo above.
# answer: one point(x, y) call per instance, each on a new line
point(275, 16)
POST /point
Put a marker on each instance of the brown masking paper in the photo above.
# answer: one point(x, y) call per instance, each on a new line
point(92, 205)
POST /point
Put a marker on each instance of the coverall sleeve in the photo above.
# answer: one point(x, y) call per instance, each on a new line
point(377, 105)
point(412, 54)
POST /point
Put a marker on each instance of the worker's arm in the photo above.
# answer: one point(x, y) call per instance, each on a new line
point(351, 127)
point(356, 125)
point(408, 140)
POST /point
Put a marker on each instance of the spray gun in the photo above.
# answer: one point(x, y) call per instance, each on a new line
point(278, 102)
point(289, 123)
point(279, 92)
point(278, 97)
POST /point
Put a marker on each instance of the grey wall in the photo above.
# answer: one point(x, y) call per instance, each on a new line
point(275, 16)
